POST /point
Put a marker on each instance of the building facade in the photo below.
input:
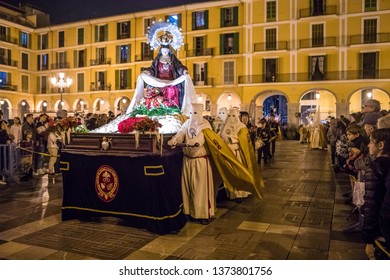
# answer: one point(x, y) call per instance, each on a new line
point(239, 53)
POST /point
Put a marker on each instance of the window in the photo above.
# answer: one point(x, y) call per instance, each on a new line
point(147, 23)
point(200, 20)
point(229, 16)
point(61, 39)
point(61, 60)
point(24, 83)
point(43, 84)
point(101, 55)
point(101, 33)
point(123, 79)
point(228, 72)
point(80, 82)
point(3, 33)
point(318, 7)
point(369, 5)
point(4, 78)
point(369, 65)
point(80, 58)
point(25, 61)
point(270, 39)
point(270, 69)
point(24, 39)
point(229, 43)
point(123, 30)
point(43, 62)
point(123, 54)
point(317, 67)
point(200, 45)
point(42, 41)
point(5, 56)
point(101, 80)
point(200, 74)
point(147, 53)
point(369, 31)
point(80, 36)
point(271, 11)
point(317, 35)
point(175, 19)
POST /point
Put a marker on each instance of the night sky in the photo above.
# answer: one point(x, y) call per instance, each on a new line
point(74, 10)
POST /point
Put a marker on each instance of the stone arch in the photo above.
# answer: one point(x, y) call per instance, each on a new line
point(223, 100)
point(65, 106)
point(205, 99)
point(6, 107)
point(256, 110)
point(78, 107)
point(40, 106)
point(356, 98)
point(120, 105)
point(326, 104)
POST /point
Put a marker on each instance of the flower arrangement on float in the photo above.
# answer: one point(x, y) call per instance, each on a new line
point(138, 124)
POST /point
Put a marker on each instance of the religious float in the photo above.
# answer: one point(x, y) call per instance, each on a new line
point(124, 169)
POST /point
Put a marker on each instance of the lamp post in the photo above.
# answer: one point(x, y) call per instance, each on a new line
point(61, 83)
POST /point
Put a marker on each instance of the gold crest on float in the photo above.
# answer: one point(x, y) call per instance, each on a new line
point(106, 183)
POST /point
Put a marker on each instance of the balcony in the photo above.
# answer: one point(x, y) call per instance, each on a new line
point(271, 46)
point(9, 87)
point(369, 38)
point(318, 42)
point(307, 77)
point(9, 39)
point(60, 65)
point(200, 52)
point(99, 61)
point(143, 57)
point(8, 61)
point(328, 10)
point(207, 82)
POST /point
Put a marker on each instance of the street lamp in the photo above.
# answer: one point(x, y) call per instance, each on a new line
point(61, 83)
point(229, 97)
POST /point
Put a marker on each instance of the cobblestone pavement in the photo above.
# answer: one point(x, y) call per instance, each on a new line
point(301, 217)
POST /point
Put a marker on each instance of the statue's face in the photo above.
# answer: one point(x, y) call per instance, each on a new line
point(164, 51)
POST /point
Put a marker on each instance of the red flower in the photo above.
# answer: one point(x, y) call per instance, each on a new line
point(139, 124)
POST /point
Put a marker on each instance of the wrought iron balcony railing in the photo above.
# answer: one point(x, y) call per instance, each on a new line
point(369, 38)
point(9, 39)
point(143, 57)
point(206, 82)
point(311, 12)
point(8, 61)
point(200, 52)
point(9, 87)
point(318, 42)
point(271, 46)
point(60, 65)
point(306, 77)
point(99, 61)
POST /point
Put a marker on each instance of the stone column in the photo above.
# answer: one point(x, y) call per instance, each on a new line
point(292, 120)
point(213, 109)
point(342, 108)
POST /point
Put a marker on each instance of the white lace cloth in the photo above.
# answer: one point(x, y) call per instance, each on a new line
point(173, 127)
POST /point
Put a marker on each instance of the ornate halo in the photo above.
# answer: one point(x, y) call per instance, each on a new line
point(158, 29)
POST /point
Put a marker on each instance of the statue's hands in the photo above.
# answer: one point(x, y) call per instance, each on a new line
point(172, 142)
point(185, 72)
point(147, 72)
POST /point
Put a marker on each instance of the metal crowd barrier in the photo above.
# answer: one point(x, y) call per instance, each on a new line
point(9, 161)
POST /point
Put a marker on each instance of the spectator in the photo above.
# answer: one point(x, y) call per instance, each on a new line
point(16, 131)
point(26, 153)
point(376, 208)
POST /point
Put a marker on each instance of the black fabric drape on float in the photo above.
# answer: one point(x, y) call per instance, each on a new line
point(144, 190)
